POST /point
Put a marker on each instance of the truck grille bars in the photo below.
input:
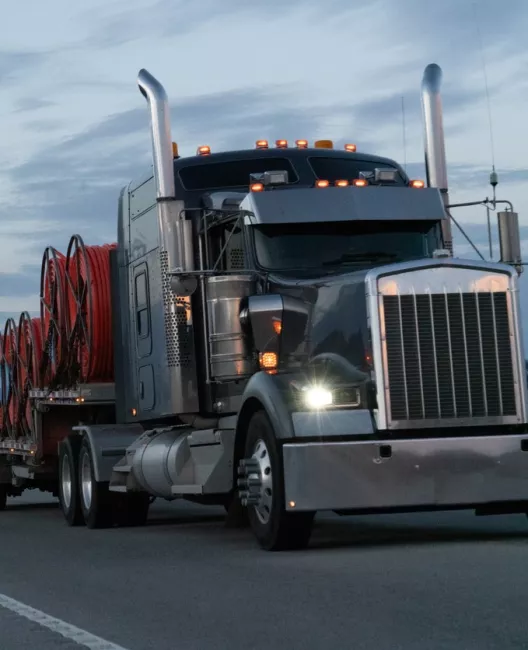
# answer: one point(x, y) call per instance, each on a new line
point(449, 356)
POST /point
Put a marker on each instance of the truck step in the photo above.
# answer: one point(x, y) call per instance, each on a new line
point(122, 469)
point(118, 488)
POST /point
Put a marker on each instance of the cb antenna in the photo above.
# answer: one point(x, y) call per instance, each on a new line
point(494, 178)
point(404, 134)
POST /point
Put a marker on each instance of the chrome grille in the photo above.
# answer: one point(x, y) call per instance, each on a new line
point(449, 356)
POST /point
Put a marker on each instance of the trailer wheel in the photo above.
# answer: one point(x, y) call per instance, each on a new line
point(3, 496)
point(97, 503)
point(68, 481)
point(274, 527)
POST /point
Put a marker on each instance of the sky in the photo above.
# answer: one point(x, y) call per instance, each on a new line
point(74, 127)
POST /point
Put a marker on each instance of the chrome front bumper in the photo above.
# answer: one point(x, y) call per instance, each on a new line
point(435, 473)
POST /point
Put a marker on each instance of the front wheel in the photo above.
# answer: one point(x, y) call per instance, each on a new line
point(275, 528)
point(3, 496)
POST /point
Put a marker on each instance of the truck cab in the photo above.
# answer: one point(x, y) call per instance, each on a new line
point(292, 334)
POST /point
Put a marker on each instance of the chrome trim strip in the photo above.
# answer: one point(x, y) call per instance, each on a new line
point(484, 391)
point(433, 423)
point(453, 391)
point(375, 318)
point(419, 350)
point(517, 348)
point(497, 351)
point(403, 357)
point(435, 355)
point(470, 400)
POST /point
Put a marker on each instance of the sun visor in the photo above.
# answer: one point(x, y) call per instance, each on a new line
point(311, 205)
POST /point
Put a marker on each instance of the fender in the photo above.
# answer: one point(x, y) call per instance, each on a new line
point(108, 443)
point(271, 392)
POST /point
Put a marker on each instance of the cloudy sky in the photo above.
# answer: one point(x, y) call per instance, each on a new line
point(74, 127)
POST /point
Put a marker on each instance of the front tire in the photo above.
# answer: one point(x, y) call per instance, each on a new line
point(3, 496)
point(68, 481)
point(96, 501)
point(274, 528)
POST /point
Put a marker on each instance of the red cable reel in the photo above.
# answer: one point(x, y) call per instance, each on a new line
point(54, 316)
point(28, 375)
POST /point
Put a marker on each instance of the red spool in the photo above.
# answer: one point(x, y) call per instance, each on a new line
point(28, 376)
point(54, 314)
point(90, 345)
point(10, 346)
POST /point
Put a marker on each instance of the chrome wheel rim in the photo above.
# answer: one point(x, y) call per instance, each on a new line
point(66, 482)
point(265, 503)
point(86, 481)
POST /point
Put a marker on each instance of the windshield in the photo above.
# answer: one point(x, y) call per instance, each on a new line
point(232, 173)
point(329, 246)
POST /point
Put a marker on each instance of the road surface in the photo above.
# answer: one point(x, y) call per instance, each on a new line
point(184, 582)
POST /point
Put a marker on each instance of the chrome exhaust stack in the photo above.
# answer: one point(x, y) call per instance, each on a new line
point(435, 157)
point(160, 127)
point(175, 231)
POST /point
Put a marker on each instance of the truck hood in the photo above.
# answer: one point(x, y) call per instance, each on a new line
point(338, 314)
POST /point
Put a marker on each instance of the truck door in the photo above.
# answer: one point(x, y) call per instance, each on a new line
point(143, 329)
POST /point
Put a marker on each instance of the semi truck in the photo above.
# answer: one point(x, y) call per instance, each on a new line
point(291, 333)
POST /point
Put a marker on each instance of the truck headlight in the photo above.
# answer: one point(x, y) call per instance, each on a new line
point(317, 397)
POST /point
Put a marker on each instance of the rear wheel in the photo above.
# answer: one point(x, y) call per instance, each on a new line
point(3, 496)
point(68, 481)
point(97, 503)
point(275, 528)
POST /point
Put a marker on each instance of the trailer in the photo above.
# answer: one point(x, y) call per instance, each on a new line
point(280, 331)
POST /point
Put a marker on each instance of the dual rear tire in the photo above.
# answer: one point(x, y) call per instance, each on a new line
point(84, 500)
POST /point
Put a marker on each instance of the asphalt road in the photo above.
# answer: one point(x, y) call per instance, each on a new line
point(184, 582)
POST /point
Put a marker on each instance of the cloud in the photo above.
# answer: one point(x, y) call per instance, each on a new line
point(29, 104)
point(117, 23)
point(14, 306)
point(12, 64)
point(15, 284)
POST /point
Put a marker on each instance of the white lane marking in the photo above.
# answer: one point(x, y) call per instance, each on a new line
point(56, 625)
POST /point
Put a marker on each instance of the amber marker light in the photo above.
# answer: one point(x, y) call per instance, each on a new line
point(268, 360)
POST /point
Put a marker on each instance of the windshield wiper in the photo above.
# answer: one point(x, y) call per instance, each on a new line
point(372, 256)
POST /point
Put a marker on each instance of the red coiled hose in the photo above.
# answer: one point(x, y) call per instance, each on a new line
point(54, 316)
point(28, 367)
point(10, 345)
point(90, 344)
